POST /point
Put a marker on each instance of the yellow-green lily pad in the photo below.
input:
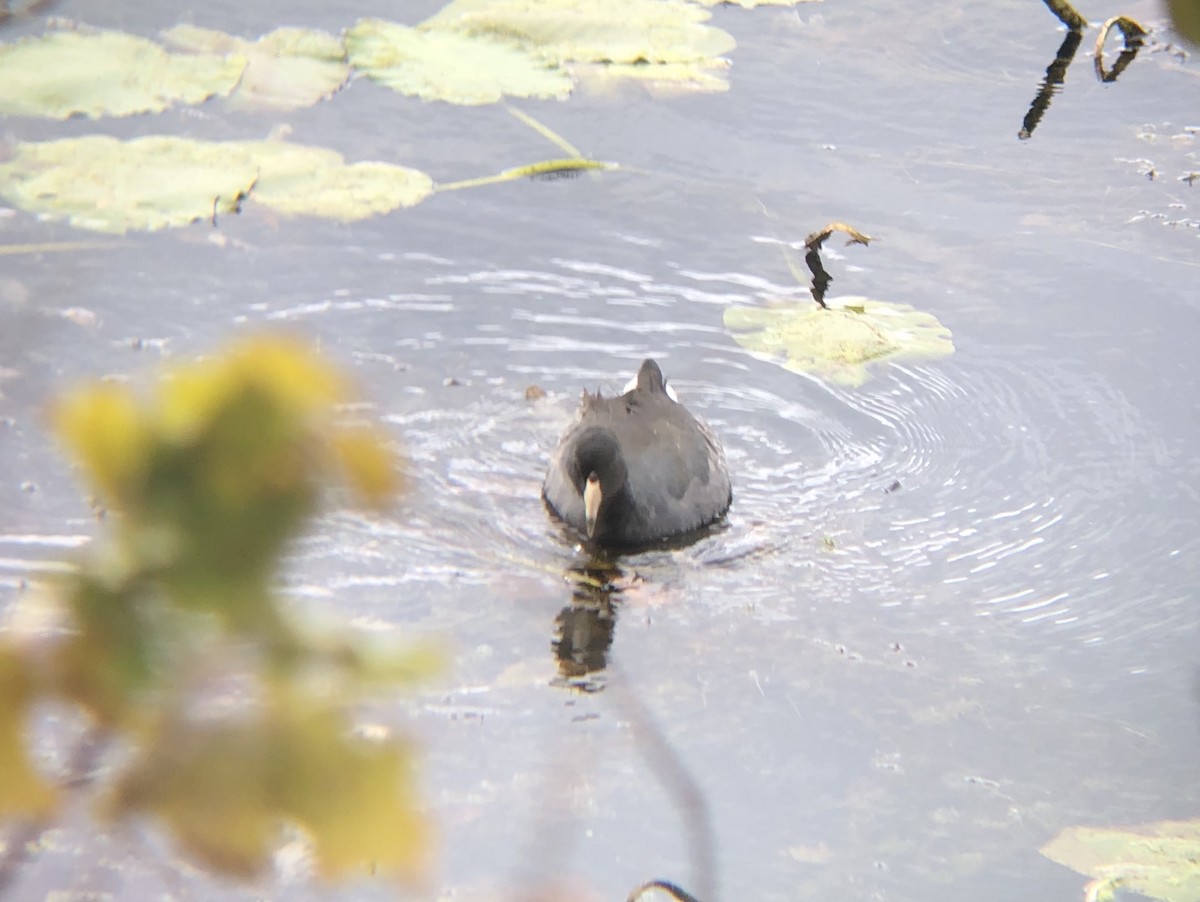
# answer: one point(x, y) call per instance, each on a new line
point(286, 69)
point(155, 182)
point(613, 31)
point(106, 73)
point(107, 185)
point(1160, 860)
point(314, 181)
point(456, 68)
point(840, 342)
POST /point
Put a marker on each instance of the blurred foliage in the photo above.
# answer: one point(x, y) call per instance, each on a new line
point(169, 637)
point(1159, 861)
point(1185, 15)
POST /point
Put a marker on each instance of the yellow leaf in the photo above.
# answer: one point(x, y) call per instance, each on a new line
point(290, 373)
point(104, 430)
point(354, 796)
point(226, 790)
point(211, 785)
point(370, 466)
point(23, 791)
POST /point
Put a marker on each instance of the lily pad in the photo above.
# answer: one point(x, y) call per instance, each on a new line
point(315, 181)
point(840, 342)
point(107, 185)
point(106, 73)
point(286, 69)
point(456, 68)
point(586, 31)
point(1160, 860)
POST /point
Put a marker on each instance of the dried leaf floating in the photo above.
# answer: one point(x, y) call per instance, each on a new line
point(816, 239)
point(838, 343)
point(1133, 35)
point(1160, 860)
point(106, 73)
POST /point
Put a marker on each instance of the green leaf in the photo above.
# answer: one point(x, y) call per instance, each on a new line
point(106, 185)
point(106, 73)
point(155, 182)
point(613, 31)
point(456, 68)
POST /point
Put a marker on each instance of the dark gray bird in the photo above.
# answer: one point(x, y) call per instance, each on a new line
point(637, 468)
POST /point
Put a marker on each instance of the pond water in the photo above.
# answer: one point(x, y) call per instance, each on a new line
point(950, 613)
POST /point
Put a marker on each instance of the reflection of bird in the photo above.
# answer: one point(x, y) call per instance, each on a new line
point(637, 468)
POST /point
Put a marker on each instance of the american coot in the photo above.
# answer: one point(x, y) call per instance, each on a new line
point(637, 468)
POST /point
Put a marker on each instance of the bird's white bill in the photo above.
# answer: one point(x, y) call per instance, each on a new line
point(592, 497)
point(632, 384)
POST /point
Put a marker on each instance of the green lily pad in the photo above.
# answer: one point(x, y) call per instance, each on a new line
point(840, 342)
point(313, 181)
point(286, 69)
point(1160, 860)
point(107, 185)
point(155, 182)
point(456, 68)
point(106, 73)
point(587, 31)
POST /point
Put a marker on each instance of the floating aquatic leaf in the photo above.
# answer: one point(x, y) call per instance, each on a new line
point(154, 182)
point(106, 73)
point(313, 181)
point(615, 31)
point(286, 69)
point(436, 65)
point(838, 343)
point(1160, 860)
point(107, 185)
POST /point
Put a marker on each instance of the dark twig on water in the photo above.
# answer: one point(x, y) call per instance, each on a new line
point(1068, 14)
